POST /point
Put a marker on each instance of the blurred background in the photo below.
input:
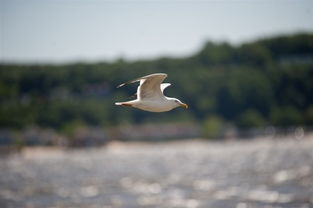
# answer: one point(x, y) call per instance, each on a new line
point(245, 68)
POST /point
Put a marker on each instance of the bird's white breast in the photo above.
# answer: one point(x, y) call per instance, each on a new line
point(153, 106)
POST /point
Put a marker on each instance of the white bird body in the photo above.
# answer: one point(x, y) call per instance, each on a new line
point(152, 105)
point(150, 95)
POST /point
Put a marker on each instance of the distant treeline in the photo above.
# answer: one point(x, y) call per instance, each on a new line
point(257, 84)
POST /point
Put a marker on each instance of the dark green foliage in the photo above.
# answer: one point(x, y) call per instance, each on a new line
point(267, 82)
point(213, 127)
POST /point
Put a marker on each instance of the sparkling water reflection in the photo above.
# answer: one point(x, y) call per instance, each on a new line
point(241, 174)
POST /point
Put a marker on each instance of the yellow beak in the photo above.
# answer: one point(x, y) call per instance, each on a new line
point(184, 105)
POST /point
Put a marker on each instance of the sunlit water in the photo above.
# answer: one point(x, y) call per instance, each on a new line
point(242, 174)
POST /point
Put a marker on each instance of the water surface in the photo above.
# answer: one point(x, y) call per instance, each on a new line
point(241, 174)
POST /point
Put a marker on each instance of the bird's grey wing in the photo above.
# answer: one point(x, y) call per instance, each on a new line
point(129, 82)
point(141, 78)
point(150, 86)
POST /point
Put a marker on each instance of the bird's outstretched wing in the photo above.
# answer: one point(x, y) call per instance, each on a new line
point(150, 85)
point(163, 86)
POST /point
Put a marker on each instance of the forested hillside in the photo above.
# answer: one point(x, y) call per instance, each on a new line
point(256, 84)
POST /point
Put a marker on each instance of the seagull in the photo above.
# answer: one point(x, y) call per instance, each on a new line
point(150, 95)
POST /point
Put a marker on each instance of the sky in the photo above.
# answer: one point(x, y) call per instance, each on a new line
point(58, 31)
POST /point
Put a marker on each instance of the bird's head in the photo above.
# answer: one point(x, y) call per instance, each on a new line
point(178, 103)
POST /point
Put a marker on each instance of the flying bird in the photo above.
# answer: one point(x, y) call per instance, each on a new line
point(150, 95)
